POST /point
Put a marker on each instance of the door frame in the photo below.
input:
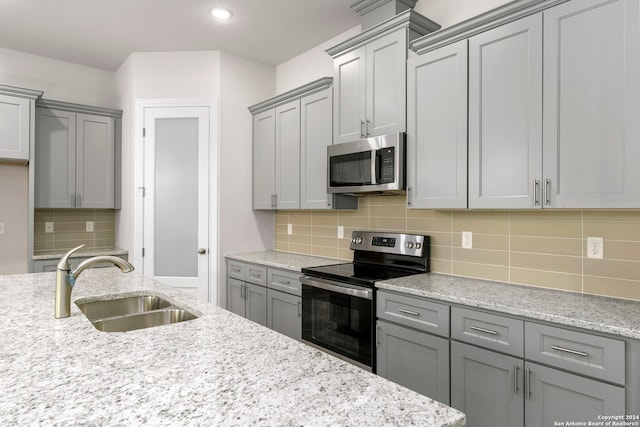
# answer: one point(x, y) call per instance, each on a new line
point(138, 221)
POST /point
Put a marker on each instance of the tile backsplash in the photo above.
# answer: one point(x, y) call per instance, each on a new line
point(69, 229)
point(541, 248)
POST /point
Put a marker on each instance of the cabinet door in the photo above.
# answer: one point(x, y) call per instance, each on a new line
point(288, 155)
point(55, 159)
point(264, 161)
point(15, 124)
point(437, 128)
point(284, 313)
point(553, 396)
point(349, 71)
point(316, 133)
point(256, 303)
point(235, 296)
point(505, 116)
point(386, 95)
point(487, 386)
point(95, 162)
point(416, 360)
point(592, 104)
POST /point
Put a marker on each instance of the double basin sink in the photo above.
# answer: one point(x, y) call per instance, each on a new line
point(127, 313)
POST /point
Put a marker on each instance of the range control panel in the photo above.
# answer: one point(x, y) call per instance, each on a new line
point(395, 243)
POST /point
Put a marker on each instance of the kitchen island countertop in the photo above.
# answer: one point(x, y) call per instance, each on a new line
point(219, 369)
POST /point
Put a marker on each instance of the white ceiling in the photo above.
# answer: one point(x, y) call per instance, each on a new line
point(102, 33)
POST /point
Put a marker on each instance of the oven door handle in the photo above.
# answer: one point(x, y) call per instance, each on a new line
point(341, 288)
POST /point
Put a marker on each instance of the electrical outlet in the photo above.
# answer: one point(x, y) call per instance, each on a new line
point(340, 232)
point(48, 227)
point(2, 228)
point(595, 247)
point(89, 227)
point(289, 229)
point(467, 239)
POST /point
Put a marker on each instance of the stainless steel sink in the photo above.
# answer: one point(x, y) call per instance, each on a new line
point(128, 313)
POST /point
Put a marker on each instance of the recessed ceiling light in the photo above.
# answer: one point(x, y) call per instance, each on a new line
point(220, 13)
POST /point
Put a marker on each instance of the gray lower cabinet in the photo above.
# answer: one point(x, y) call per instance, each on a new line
point(45, 265)
point(416, 360)
point(553, 396)
point(284, 313)
point(247, 300)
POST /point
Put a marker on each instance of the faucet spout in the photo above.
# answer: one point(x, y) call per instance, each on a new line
point(66, 278)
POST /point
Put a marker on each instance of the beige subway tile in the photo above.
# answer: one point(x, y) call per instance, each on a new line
point(481, 222)
point(68, 244)
point(429, 213)
point(397, 200)
point(441, 266)
point(440, 239)
point(629, 289)
point(481, 256)
point(612, 216)
point(300, 230)
point(546, 215)
point(544, 262)
point(325, 221)
point(498, 242)
point(43, 245)
point(430, 224)
point(300, 249)
point(104, 226)
point(548, 245)
point(297, 239)
point(328, 242)
point(547, 279)
point(615, 249)
point(282, 237)
point(105, 243)
point(74, 215)
point(388, 211)
point(281, 228)
point(547, 228)
point(355, 222)
point(441, 252)
point(481, 271)
point(345, 254)
point(300, 219)
point(71, 236)
point(103, 235)
point(615, 269)
point(613, 230)
point(281, 218)
point(104, 215)
point(324, 251)
point(43, 237)
point(281, 245)
point(43, 215)
point(325, 231)
point(67, 227)
point(388, 224)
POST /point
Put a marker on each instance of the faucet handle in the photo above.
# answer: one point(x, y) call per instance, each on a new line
point(64, 261)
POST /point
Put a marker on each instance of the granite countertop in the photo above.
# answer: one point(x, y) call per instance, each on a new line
point(610, 315)
point(84, 252)
point(218, 369)
point(285, 260)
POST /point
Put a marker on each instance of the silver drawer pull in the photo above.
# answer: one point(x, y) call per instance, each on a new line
point(486, 331)
point(284, 282)
point(412, 313)
point(568, 350)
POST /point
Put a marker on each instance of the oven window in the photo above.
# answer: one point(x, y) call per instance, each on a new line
point(350, 169)
point(337, 322)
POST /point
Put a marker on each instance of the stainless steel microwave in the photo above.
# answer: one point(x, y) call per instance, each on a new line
point(371, 165)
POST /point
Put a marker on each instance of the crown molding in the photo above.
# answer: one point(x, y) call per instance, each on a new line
point(78, 108)
point(20, 92)
point(298, 92)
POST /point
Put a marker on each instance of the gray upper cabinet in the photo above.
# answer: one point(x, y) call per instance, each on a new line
point(75, 160)
point(592, 104)
point(264, 160)
point(370, 78)
point(437, 128)
point(16, 122)
point(505, 116)
point(288, 155)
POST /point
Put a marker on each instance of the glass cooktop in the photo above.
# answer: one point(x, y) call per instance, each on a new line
point(357, 274)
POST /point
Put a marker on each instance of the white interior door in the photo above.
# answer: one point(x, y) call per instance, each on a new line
point(176, 197)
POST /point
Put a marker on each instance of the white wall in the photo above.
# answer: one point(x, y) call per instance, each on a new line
point(450, 12)
point(61, 81)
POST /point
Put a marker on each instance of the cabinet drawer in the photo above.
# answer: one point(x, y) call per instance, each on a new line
point(236, 270)
point(488, 330)
point(586, 354)
point(256, 274)
point(285, 281)
point(414, 312)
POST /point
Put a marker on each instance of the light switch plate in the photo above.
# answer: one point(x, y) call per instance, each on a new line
point(89, 227)
point(340, 232)
point(1, 227)
point(48, 227)
point(289, 229)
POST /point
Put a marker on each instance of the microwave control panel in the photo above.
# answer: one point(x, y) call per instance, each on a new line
point(386, 160)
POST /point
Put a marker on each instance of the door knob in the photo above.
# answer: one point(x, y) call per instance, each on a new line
point(202, 251)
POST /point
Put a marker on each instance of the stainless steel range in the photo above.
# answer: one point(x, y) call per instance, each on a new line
point(338, 301)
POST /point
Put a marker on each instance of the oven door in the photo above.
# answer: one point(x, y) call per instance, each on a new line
point(338, 318)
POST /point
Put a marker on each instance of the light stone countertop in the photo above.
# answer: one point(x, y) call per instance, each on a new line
point(595, 313)
point(219, 369)
point(80, 253)
point(285, 260)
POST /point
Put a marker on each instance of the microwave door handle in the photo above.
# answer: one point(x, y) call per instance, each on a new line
point(374, 167)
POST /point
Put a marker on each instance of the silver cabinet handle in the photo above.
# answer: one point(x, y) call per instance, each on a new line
point(527, 383)
point(412, 313)
point(367, 128)
point(568, 350)
point(78, 201)
point(299, 308)
point(536, 192)
point(377, 336)
point(73, 200)
point(243, 291)
point(362, 129)
point(338, 287)
point(408, 195)
point(516, 369)
point(202, 251)
point(486, 331)
point(547, 192)
point(284, 282)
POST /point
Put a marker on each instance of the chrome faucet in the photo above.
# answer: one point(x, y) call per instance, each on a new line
point(66, 277)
